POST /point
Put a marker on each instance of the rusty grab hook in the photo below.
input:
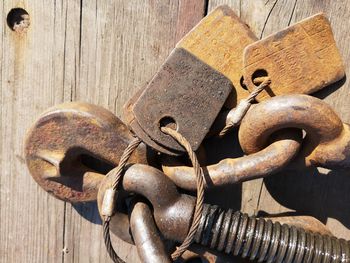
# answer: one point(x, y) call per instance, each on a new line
point(223, 230)
point(327, 141)
point(63, 136)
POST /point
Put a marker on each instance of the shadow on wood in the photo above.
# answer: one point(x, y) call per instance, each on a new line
point(216, 150)
point(310, 192)
point(323, 93)
point(89, 211)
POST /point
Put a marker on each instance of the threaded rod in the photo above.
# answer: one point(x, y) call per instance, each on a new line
point(265, 241)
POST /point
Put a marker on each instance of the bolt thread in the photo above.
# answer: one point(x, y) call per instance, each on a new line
point(264, 241)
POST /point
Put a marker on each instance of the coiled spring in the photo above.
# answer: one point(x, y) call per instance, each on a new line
point(265, 241)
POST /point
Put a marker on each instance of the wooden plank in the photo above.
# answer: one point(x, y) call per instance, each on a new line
point(54, 57)
point(234, 4)
point(32, 73)
point(101, 52)
point(122, 45)
point(266, 17)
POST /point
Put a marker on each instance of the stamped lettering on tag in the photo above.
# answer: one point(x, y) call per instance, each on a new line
point(219, 41)
point(303, 59)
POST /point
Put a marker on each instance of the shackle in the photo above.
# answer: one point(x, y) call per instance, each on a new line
point(66, 135)
point(275, 153)
point(224, 230)
point(327, 141)
point(161, 192)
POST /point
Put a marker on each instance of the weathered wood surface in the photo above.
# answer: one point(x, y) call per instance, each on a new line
point(102, 52)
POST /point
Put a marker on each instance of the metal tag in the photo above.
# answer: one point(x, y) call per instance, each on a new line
point(218, 41)
point(186, 94)
point(303, 58)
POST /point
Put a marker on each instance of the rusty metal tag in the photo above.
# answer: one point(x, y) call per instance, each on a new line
point(218, 41)
point(303, 58)
point(186, 94)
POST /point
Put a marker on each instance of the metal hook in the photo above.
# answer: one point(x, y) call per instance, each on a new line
point(66, 140)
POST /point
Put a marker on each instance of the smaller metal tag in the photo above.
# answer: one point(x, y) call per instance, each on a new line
point(303, 59)
point(185, 94)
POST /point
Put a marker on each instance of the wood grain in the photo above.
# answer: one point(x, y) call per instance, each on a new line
point(102, 52)
point(32, 73)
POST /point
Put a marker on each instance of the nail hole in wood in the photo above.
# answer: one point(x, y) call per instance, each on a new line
point(18, 20)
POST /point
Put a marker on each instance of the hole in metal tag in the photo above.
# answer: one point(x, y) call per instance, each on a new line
point(168, 122)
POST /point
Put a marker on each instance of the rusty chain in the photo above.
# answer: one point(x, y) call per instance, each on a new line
point(231, 231)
